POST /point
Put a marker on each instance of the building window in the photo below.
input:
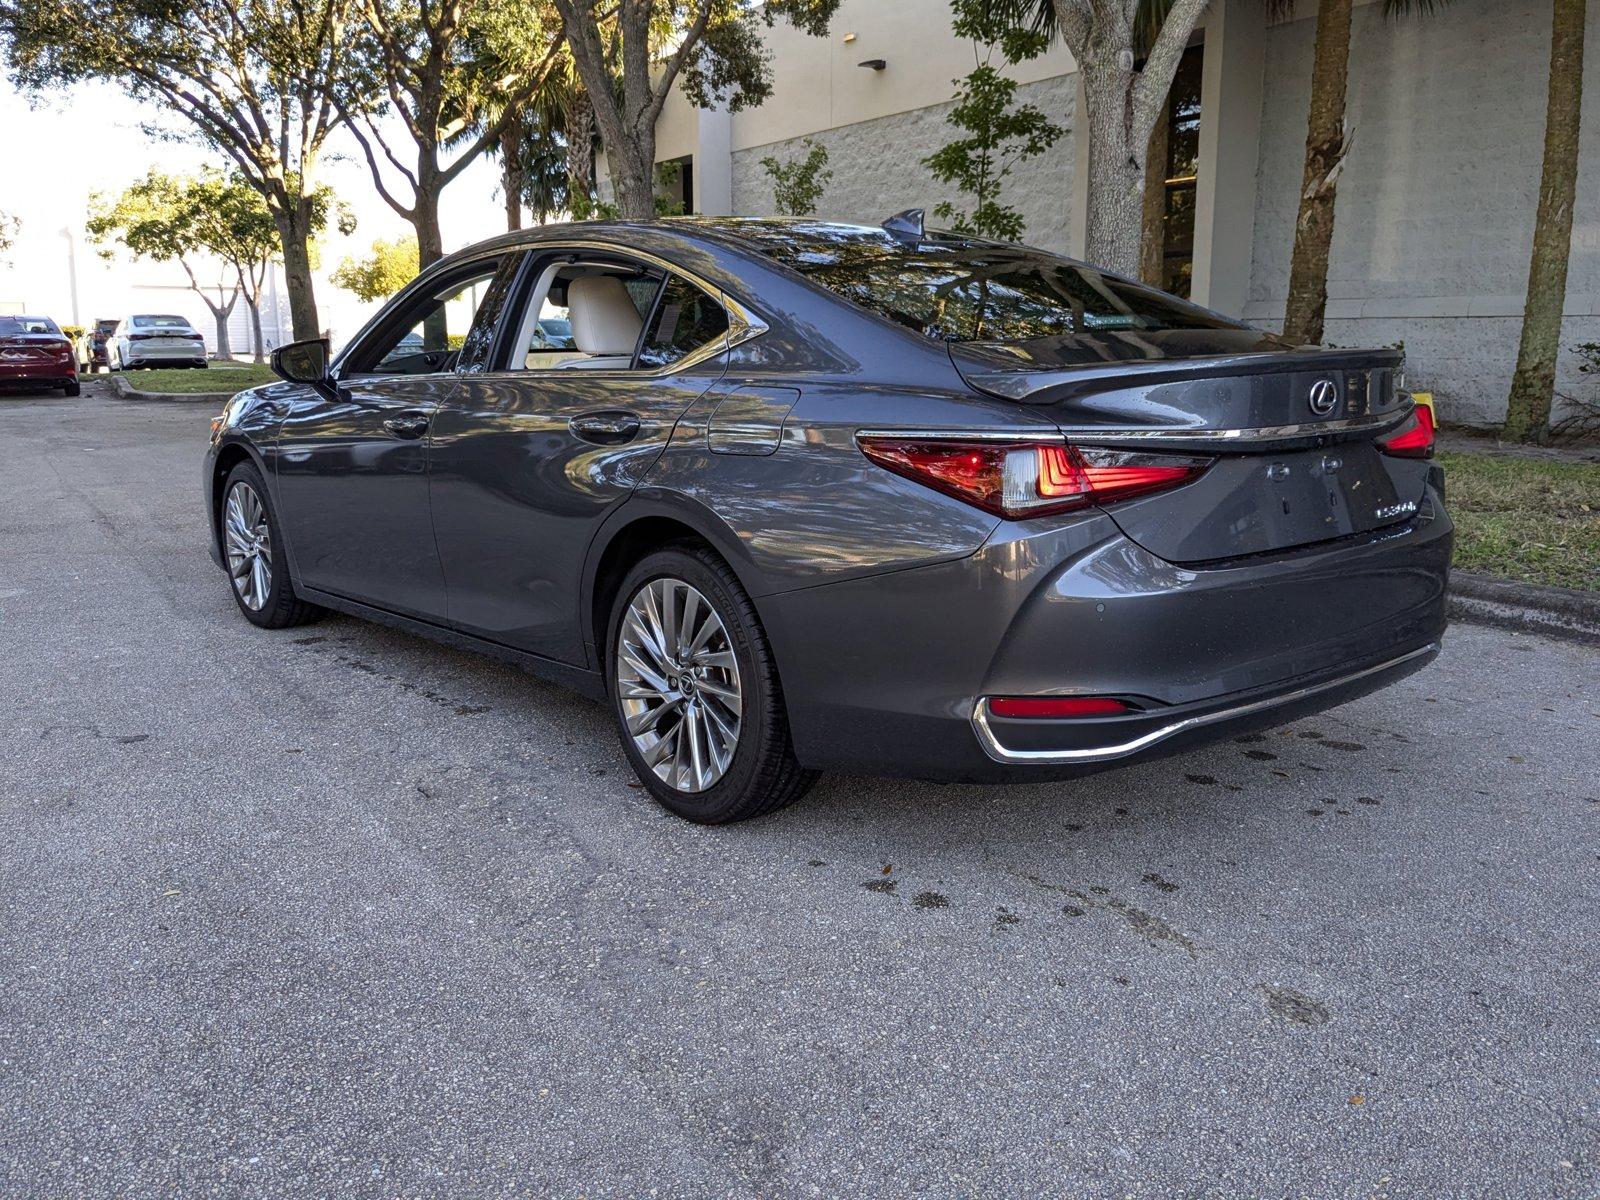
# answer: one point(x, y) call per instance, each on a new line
point(1171, 176)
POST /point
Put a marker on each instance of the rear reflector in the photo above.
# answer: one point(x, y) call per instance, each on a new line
point(1027, 478)
point(1056, 706)
point(1415, 438)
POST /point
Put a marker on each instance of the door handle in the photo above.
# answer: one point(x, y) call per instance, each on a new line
point(407, 425)
point(605, 428)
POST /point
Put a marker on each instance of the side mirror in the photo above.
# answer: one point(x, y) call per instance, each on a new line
point(302, 362)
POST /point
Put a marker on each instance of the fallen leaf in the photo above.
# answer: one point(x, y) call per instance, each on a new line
point(1358, 1099)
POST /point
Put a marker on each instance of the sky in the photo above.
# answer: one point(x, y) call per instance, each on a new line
point(58, 149)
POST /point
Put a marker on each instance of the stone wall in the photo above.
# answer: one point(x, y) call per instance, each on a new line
point(877, 168)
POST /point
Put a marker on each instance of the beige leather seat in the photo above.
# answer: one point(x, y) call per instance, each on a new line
point(605, 323)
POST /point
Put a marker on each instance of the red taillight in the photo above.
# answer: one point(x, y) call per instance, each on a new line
point(1415, 439)
point(1056, 706)
point(1027, 479)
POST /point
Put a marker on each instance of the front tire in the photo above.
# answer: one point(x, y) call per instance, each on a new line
point(695, 691)
point(252, 550)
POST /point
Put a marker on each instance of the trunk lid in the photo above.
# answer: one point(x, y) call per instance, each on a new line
point(33, 347)
point(1292, 431)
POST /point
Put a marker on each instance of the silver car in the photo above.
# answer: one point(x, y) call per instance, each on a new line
point(154, 340)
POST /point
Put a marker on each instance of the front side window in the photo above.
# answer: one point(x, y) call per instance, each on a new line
point(426, 338)
point(685, 320)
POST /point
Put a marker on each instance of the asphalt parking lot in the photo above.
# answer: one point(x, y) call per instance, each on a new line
point(338, 912)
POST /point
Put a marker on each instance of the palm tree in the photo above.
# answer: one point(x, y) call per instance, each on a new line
point(1327, 144)
point(1533, 385)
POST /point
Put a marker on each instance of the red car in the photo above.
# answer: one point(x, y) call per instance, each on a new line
point(34, 351)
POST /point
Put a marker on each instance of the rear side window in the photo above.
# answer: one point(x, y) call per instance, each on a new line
point(956, 290)
point(684, 321)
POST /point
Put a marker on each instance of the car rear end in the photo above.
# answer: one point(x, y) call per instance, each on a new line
point(35, 353)
point(1199, 530)
point(162, 341)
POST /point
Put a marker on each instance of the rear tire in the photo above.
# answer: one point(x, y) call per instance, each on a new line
point(71, 389)
point(683, 724)
point(253, 555)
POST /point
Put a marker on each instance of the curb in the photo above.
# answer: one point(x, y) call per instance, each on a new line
point(127, 391)
point(1557, 612)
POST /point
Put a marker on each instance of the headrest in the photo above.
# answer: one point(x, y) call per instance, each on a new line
point(604, 320)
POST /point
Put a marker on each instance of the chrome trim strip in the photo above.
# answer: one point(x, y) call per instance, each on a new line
point(1088, 435)
point(964, 434)
point(1093, 754)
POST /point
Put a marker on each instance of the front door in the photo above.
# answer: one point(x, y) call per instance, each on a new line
point(352, 467)
point(598, 361)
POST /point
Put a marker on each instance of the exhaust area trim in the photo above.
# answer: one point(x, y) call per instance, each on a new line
point(1094, 754)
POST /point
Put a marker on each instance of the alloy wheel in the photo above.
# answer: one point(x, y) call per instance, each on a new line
point(678, 682)
point(248, 538)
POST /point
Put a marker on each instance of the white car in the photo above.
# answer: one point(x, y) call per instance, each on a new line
point(154, 340)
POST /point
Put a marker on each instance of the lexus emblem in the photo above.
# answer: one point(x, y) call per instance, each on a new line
point(1324, 397)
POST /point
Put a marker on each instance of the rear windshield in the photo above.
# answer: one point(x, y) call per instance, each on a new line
point(161, 322)
point(957, 290)
point(12, 326)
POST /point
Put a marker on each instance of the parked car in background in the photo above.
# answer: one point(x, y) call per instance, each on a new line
point(35, 353)
point(154, 340)
point(91, 345)
point(800, 496)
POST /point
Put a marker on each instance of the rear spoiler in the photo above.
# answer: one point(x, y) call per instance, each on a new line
point(1051, 385)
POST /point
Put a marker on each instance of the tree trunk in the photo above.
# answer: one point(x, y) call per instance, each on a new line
point(430, 249)
point(511, 173)
point(1153, 257)
point(254, 305)
point(580, 147)
point(1325, 152)
point(425, 220)
point(633, 177)
point(1533, 385)
point(294, 232)
point(220, 314)
point(1116, 168)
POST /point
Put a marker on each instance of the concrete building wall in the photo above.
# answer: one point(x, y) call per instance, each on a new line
point(819, 84)
point(877, 168)
point(1437, 204)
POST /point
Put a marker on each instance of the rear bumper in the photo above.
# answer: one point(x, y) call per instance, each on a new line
point(888, 674)
point(64, 371)
point(1103, 740)
point(140, 357)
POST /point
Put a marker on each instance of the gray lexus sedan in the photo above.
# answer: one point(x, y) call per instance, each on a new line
point(795, 495)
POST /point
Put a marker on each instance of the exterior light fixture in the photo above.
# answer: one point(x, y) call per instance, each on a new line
point(874, 64)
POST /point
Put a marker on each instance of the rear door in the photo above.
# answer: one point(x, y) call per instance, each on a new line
point(535, 450)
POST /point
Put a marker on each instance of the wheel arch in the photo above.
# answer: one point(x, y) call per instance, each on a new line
point(229, 455)
point(642, 524)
